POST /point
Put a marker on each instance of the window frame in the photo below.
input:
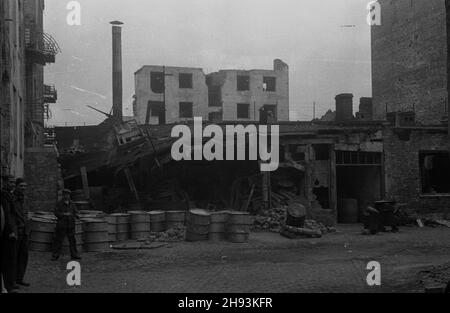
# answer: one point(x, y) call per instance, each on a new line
point(183, 103)
point(266, 84)
point(190, 85)
point(239, 81)
point(238, 111)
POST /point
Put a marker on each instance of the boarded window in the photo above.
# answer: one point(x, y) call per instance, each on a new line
point(243, 110)
point(243, 83)
point(186, 110)
point(157, 82)
point(185, 81)
point(435, 169)
point(270, 84)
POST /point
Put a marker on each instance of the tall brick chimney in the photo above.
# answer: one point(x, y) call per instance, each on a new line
point(117, 70)
point(344, 107)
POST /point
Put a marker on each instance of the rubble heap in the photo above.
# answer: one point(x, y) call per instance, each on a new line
point(274, 221)
point(270, 220)
point(175, 234)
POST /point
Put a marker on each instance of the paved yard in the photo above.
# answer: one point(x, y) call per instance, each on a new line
point(268, 263)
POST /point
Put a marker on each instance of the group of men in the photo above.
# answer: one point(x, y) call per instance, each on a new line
point(15, 233)
point(16, 229)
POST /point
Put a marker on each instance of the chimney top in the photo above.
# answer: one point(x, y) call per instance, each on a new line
point(116, 23)
point(344, 95)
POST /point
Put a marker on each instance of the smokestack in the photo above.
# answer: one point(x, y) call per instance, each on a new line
point(344, 107)
point(117, 69)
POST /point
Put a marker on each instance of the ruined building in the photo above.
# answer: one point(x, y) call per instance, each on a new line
point(165, 95)
point(176, 94)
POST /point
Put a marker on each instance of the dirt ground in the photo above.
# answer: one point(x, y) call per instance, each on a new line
point(268, 263)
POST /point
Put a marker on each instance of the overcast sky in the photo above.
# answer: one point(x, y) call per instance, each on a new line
point(325, 58)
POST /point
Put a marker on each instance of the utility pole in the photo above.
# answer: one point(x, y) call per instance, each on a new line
point(314, 111)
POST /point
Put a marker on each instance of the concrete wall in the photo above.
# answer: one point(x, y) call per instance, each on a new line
point(12, 95)
point(256, 97)
point(402, 169)
point(43, 176)
point(409, 55)
point(198, 95)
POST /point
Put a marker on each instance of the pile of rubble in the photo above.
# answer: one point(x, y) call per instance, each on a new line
point(275, 221)
point(270, 220)
point(171, 235)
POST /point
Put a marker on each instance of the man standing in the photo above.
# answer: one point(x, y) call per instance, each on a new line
point(9, 235)
point(23, 231)
point(66, 213)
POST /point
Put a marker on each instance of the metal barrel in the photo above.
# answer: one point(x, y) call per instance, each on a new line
point(238, 227)
point(112, 228)
point(198, 224)
point(123, 226)
point(96, 238)
point(175, 219)
point(218, 226)
point(42, 233)
point(157, 221)
point(139, 224)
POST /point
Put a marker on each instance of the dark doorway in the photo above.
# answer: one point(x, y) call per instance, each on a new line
point(156, 109)
point(359, 177)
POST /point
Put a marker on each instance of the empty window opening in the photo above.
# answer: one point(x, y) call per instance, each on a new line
point(243, 110)
point(185, 81)
point(243, 83)
point(186, 110)
point(435, 169)
point(270, 84)
point(157, 82)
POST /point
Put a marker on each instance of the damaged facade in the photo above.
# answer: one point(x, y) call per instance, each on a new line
point(165, 95)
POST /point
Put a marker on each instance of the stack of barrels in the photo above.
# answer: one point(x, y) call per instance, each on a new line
point(157, 221)
point(198, 224)
point(139, 224)
point(217, 228)
point(96, 236)
point(238, 227)
point(175, 219)
point(123, 225)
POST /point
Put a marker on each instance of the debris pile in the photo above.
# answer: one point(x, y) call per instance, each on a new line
point(275, 221)
point(175, 234)
point(270, 220)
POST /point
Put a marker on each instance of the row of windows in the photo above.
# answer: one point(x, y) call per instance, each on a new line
point(269, 83)
point(157, 81)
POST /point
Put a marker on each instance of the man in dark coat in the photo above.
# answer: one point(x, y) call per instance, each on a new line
point(66, 212)
point(9, 235)
point(23, 231)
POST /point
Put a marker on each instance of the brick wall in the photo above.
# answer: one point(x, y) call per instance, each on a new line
point(402, 169)
point(43, 176)
point(409, 55)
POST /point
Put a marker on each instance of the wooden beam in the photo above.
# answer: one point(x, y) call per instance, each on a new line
point(131, 183)
point(85, 181)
